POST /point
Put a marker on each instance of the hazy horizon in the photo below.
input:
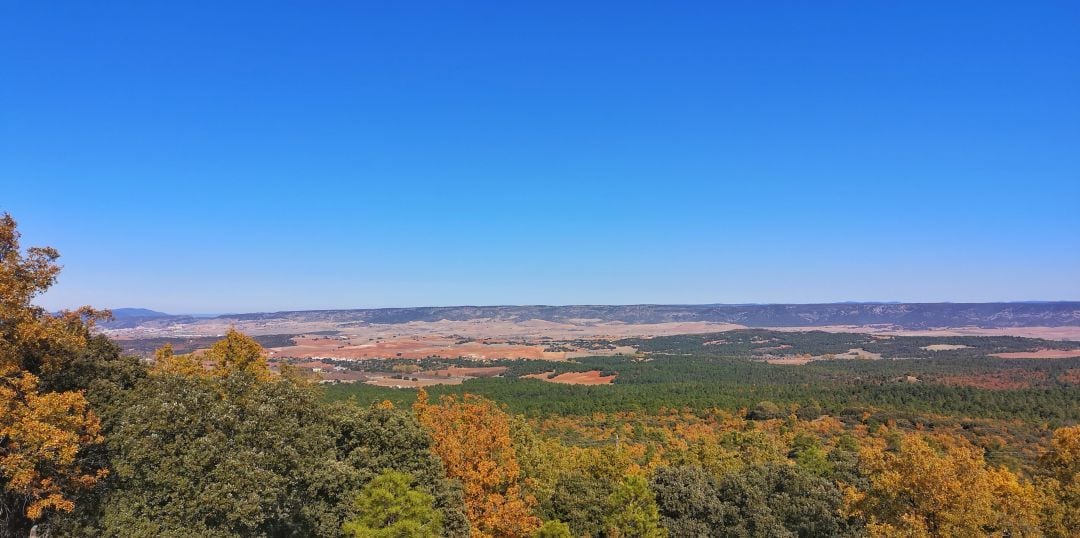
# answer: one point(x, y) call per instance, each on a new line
point(239, 312)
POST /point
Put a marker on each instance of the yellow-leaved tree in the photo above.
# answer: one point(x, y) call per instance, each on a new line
point(1062, 464)
point(238, 352)
point(942, 486)
point(41, 431)
point(472, 436)
point(235, 353)
point(167, 361)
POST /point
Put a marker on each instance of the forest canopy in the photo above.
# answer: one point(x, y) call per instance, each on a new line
point(215, 442)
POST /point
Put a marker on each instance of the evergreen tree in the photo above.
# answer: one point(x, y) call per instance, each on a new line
point(389, 507)
point(632, 511)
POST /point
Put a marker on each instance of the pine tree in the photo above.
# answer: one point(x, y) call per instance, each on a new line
point(388, 507)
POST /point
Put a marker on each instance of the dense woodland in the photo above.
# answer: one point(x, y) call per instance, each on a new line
point(1050, 390)
point(94, 442)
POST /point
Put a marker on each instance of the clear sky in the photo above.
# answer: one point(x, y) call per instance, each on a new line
point(223, 157)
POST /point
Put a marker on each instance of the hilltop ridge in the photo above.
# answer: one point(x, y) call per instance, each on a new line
point(900, 316)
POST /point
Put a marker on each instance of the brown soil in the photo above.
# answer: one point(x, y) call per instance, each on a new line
point(1003, 380)
point(1049, 333)
point(592, 377)
point(452, 371)
point(387, 381)
point(1040, 354)
point(347, 376)
point(409, 348)
point(474, 328)
point(797, 360)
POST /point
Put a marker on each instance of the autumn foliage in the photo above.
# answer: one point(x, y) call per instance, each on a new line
point(41, 431)
point(235, 353)
point(942, 486)
point(214, 443)
point(472, 436)
point(1062, 466)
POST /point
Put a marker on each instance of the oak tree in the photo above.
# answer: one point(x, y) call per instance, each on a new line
point(42, 431)
point(472, 437)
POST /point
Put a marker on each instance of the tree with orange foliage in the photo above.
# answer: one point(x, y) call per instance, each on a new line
point(941, 486)
point(167, 361)
point(1062, 464)
point(238, 352)
point(41, 432)
point(235, 353)
point(472, 436)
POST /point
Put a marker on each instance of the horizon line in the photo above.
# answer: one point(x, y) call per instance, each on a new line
point(539, 305)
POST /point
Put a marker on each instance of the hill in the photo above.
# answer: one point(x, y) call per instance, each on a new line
point(905, 315)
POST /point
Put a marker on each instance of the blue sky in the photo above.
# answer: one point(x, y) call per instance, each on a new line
point(223, 157)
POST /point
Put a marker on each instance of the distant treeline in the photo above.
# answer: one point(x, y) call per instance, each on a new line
point(751, 342)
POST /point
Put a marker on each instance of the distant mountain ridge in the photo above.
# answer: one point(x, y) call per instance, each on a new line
point(905, 315)
point(125, 318)
point(123, 313)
